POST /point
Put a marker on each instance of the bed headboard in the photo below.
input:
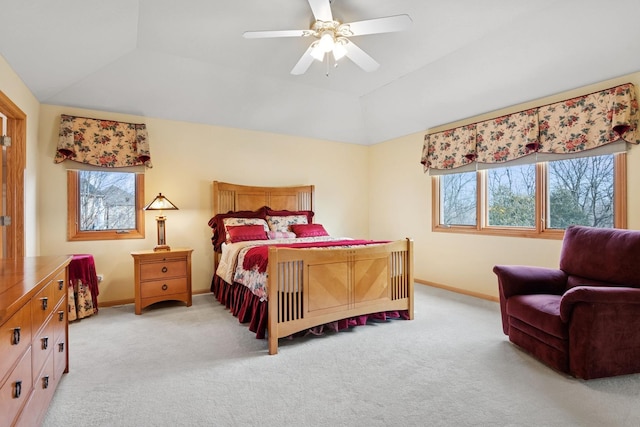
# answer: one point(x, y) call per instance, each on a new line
point(233, 197)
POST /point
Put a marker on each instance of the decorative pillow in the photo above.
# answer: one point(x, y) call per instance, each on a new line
point(283, 223)
point(242, 233)
point(271, 212)
point(234, 222)
point(281, 234)
point(309, 230)
point(217, 224)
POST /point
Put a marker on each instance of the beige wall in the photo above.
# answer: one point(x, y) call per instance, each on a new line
point(15, 89)
point(400, 205)
point(378, 192)
point(186, 158)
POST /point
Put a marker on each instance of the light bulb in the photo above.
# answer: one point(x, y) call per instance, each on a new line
point(317, 52)
point(327, 42)
point(339, 51)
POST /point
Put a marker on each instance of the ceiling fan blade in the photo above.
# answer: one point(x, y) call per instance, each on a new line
point(321, 10)
point(271, 34)
point(360, 57)
point(303, 63)
point(388, 24)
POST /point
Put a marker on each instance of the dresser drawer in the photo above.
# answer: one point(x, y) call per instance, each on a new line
point(60, 358)
point(60, 334)
point(42, 304)
point(15, 390)
point(176, 267)
point(159, 288)
point(15, 337)
point(44, 386)
point(59, 320)
point(43, 343)
point(59, 287)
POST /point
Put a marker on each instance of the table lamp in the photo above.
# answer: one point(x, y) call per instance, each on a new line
point(161, 203)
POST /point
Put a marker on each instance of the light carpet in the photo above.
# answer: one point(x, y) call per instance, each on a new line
point(197, 366)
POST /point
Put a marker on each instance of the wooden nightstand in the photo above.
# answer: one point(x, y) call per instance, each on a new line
point(162, 276)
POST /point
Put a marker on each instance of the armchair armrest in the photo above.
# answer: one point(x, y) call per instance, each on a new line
point(597, 295)
point(522, 280)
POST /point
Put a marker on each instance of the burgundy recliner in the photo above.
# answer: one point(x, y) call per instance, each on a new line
point(583, 318)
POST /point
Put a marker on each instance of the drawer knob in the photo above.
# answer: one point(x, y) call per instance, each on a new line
point(60, 347)
point(60, 315)
point(45, 381)
point(17, 389)
point(16, 336)
point(45, 303)
point(165, 287)
point(60, 284)
point(45, 343)
point(165, 269)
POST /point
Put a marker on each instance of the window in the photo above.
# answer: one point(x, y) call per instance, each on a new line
point(105, 205)
point(459, 198)
point(512, 196)
point(533, 200)
point(581, 191)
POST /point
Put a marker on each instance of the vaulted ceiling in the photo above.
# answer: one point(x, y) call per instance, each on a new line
point(187, 60)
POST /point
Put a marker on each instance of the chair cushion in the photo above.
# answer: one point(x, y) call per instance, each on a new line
point(542, 311)
point(606, 255)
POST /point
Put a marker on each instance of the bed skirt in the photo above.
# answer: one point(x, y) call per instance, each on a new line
point(248, 308)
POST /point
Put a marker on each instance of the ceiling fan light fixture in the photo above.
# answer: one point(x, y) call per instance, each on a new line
point(339, 51)
point(317, 52)
point(327, 41)
point(332, 41)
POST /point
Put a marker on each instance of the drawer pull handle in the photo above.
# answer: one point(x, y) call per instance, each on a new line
point(45, 381)
point(45, 303)
point(16, 336)
point(60, 347)
point(60, 284)
point(17, 390)
point(165, 269)
point(165, 287)
point(60, 315)
point(45, 343)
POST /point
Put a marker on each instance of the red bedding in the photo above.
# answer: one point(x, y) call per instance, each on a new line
point(253, 312)
point(257, 256)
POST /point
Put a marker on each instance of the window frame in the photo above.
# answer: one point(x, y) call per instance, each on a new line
point(540, 230)
point(73, 213)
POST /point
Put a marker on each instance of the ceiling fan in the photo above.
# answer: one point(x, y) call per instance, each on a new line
point(332, 37)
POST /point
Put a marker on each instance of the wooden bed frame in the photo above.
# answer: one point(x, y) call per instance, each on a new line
point(311, 287)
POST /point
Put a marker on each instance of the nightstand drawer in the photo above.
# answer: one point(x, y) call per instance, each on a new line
point(157, 288)
point(162, 269)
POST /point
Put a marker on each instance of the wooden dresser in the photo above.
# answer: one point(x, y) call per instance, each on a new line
point(34, 332)
point(162, 276)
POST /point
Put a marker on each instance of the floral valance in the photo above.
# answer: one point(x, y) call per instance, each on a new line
point(104, 143)
point(577, 124)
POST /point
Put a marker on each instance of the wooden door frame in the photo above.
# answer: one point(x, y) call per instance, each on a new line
point(16, 164)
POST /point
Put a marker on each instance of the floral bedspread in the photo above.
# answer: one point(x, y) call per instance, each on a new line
point(232, 269)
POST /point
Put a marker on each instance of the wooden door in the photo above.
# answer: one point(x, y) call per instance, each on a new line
point(3, 181)
point(12, 173)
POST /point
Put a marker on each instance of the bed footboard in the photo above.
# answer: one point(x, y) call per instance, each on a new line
point(311, 287)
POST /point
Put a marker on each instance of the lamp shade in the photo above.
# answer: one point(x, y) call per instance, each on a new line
point(160, 203)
